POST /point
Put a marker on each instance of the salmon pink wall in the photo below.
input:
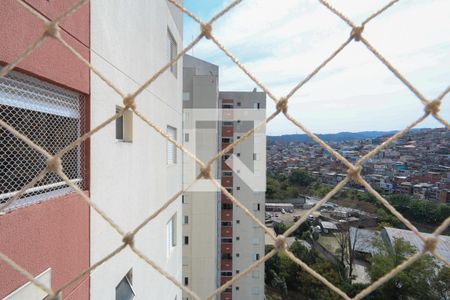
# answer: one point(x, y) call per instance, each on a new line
point(53, 233)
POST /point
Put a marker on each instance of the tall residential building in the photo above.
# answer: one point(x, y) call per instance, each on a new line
point(200, 208)
point(127, 169)
point(219, 239)
point(242, 240)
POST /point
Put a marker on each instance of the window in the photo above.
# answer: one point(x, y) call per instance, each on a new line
point(255, 274)
point(255, 290)
point(238, 104)
point(256, 206)
point(257, 105)
point(238, 188)
point(230, 190)
point(186, 219)
point(172, 52)
point(227, 206)
point(186, 280)
point(227, 173)
point(227, 240)
point(237, 288)
point(227, 124)
point(237, 255)
point(185, 260)
point(50, 116)
point(171, 234)
point(186, 137)
point(186, 240)
point(228, 106)
point(124, 125)
point(226, 223)
point(171, 148)
point(255, 241)
point(238, 221)
point(254, 156)
point(225, 157)
point(186, 96)
point(124, 290)
point(238, 154)
point(238, 238)
point(226, 273)
point(183, 200)
point(256, 256)
point(237, 271)
point(227, 140)
point(226, 256)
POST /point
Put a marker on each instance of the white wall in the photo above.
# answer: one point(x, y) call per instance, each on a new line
point(129, 181)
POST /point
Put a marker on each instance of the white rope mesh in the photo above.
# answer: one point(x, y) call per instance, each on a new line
point(55, 167)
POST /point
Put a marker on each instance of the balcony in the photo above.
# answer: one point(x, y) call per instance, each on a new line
point(227, 131)
point(226, 248)
point(226, 231)
point(226, 296)
point(226, 215)
point(227, 181)
point(226, 265)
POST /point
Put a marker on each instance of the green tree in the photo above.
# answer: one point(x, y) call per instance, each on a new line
point(300, 178)
point(412, 283)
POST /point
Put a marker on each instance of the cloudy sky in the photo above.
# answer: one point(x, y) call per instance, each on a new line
point(282, 41)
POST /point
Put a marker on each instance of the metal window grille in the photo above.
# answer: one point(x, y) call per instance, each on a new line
point(171, 148)
point(51, 117)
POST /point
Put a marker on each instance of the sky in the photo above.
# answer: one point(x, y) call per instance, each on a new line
point(282, 41)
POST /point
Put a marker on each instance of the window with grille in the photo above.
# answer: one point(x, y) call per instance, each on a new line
point(171, 148)
point(52, 117)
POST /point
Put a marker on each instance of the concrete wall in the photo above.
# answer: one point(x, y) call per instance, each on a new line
point(201, 207)
point(54, 233)
point(132, 180)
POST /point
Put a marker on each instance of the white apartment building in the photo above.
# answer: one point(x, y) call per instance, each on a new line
point(219, 239)
point(134, 170)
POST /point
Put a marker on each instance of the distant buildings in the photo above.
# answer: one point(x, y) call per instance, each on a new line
point(416, 165)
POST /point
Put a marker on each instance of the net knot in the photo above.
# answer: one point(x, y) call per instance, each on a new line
point(206, 30)
point(282, 105)
point(128, 239)
point(57, 296)
point(433, 107)
point(354, 173)
point(430, 244)
point(280, 243)
point(52, 29)
point(356, 33)
point(129, 102)
point(205, 172)
point(54, 164)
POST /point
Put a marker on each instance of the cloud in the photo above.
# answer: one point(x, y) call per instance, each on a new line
point(281, 42)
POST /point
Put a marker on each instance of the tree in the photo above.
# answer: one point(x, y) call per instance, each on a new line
point(415, 282)
point(346, 250)
point(279, 228)
point(300, 178)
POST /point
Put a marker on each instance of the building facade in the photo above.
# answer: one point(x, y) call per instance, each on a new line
point(134, 169)
point(201, 204)
point(219, 240)
point(127, 169)
point(242, 240)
